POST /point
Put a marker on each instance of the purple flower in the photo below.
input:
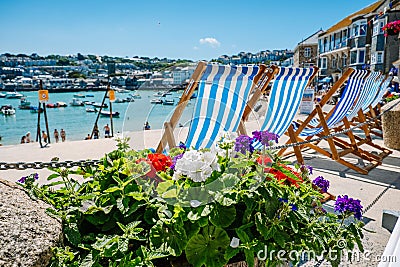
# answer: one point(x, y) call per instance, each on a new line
point(264, 137)
point(22, 180)
point(345, 204)
point(36, 176)
point(282, 200)
point(294, 207)
point(322, 183)
point(182, 146)
point(304, 167)
point(174, 160)
point(243, 144)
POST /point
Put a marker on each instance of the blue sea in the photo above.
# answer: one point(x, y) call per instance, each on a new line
point(77, 123)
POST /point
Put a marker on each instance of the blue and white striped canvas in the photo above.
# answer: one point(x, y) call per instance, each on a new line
point(371, 86)
point(285, 98)
point(346, 102)
point(380, 93)
point(221, 99)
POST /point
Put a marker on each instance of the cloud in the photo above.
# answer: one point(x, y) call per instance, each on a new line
point(210, 41)
point(195, 48)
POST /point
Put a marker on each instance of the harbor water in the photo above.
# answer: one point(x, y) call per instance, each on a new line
point(78, 123)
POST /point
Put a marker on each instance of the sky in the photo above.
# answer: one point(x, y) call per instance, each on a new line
point(196, 30)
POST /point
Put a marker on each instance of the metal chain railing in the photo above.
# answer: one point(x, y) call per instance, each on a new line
point(86, 163)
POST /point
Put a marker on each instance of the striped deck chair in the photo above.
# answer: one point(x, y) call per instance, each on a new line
point(223, 92)
point(285, 98)
point(319, 124)
point(356, 115)
point(373, 109)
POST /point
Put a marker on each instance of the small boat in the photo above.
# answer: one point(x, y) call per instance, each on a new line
point(35, 109)
point(2, 95)
point(119, 100)
point(91, 110)
point(7, 110)
point(168, 102)
point(88, 103)
point(159, 93)
point(156, 101)
point(107, 113)
point(76, 102)
point(89, 95)
point(97, 105)
point(61, 104)
point(79, 95)
point(24, 104)
point(136, 96)
point(13, 95)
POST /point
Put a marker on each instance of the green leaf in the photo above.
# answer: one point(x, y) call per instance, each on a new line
point(249, 253)
point(168, 237)
point(208, 248)
point(123, 244)
point(53, 176)
point(88, 261)
point(222, 216)
point(112, 189)
point(72, 233)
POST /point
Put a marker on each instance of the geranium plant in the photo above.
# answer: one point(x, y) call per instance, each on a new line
point(392, 28)
point(205, 207)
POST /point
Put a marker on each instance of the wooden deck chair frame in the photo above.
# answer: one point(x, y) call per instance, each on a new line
point(367, 140)
point(168, 135)
point(333, 152)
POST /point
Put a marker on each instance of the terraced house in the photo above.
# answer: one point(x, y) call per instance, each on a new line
point(358, 41)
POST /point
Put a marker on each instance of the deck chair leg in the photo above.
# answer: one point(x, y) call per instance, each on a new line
point(296, 149)
point(170, 134)
point(332, 146)
point(242, 128)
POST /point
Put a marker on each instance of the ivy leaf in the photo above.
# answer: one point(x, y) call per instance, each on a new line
point(168, 237)
point(222, 216)
point(72, 233)
point(208, 248)
point(123, 244)
point(88, 261)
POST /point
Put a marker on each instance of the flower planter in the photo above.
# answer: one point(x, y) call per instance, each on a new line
point(391, 32)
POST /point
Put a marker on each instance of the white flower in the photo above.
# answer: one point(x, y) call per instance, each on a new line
point(235, 242)
point(196, 165)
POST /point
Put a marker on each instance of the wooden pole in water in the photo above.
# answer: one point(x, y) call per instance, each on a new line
point(47, 124)
point(38, 139)
point(98, 114)
point(111, 121)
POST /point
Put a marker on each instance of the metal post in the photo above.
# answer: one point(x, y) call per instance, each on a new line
point(47, 124)
point(98, 114)
point(38, 138)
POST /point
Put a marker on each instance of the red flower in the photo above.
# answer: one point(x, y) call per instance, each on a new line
point(264, 158)
point(159, 161)
point(280, 176)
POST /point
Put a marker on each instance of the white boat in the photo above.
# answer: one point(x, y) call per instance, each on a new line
point(79, 95)
point(107, 113)
point(91, 110)
point(60, 104)
point(76, 102)
point(160, 93)
point(7, 110)
point(156, 101)
point(168, 102)
point(97, 105)
point(137, 96)
point(11, 95)
point(2, 95)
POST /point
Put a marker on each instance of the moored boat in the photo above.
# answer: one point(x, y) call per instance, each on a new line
point(97, 105)
point(7, 110)
point(2, 95)
point(76, 102)
point(24, 104)
point(156, 101)
point(79, 95)
point(107, 113)
point(168, 102)
point(13, 95)
point(91, 110)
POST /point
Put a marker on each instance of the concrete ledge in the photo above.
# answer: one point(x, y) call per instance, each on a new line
point(389, 219)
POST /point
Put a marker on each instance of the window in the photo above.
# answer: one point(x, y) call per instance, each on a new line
point(334, 63)
point(353, 57)
point(378, 25)
point(361, 56)
point(373, 58)
point(357, 56)
point(323, 63)
point(344, 61)
point(379, 57)
point(307, 52)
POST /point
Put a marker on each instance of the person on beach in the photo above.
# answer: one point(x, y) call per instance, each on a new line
point(56, 135)
point(44, 137)
point(147, 126)
point(96, 132)
point(23, 139)
point(28, 137)
point(62, 135)
point(88, 137)
point(106, 131)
